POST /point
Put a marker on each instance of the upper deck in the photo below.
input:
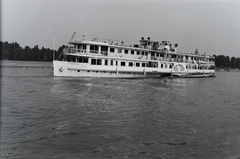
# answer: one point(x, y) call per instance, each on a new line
point(147, 50)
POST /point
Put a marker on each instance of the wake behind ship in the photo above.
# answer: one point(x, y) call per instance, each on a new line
point(84, 58)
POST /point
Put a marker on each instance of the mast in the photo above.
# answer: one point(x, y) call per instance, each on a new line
point(72, 37)
point(53, 45)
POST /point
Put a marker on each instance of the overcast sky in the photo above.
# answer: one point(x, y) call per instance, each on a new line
point(212, 26)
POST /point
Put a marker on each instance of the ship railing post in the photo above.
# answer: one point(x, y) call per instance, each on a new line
point(117, 70)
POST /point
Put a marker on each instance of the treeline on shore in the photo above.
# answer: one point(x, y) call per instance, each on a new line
point(224, 62)
point(13, 51)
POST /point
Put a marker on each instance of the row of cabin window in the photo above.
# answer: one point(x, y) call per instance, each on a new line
point(105, 48)
point(191, 67)
point(140, 64)
point(122, 63)
point(152, 54)
point(95, 47)
point(198, 67)
point(143, 53)
point(130, 64)
point(92, 47)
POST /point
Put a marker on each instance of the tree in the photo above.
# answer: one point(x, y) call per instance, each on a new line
point(59, 52)
point(42, 54)
point(221, 62)
point(32, 55)
point(27, 51)
point(227, 61)
point(13, 51)
point(233, 62)
point(36, 53)
point(238, 62)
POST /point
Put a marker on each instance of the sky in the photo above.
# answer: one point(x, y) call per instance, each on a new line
point(211, 26)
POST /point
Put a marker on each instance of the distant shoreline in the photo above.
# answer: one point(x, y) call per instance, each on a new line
point(217, 69)
point(227, 70)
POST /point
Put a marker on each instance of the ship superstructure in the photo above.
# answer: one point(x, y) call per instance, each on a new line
point(94, 58)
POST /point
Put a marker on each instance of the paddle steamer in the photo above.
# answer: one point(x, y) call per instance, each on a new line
point(96, 58)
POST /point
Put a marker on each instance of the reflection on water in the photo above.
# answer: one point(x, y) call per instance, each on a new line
point(51, 117)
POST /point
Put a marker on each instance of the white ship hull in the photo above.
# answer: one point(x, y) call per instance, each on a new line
point(72, 69)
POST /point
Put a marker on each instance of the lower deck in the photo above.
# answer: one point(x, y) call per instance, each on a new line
point(73, 69)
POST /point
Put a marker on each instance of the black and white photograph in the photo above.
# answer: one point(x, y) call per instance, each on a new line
point(120, 79)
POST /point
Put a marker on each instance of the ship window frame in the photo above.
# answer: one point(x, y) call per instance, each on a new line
point(106, 62)
point(132, 52)
point(80, 60)
point(82, 46)
point(137, 64)
point(126, 51)
point(153, 54)
point(112, 49)
point(119, 51)
point(123, 63)
point(104, 48)
point(99, 61)
point(138, 53)
point(93, 61)
point(130, 64)
point(85, 60)
point(94, 48)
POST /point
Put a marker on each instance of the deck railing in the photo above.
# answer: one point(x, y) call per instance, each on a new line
point(105, 53)
point(75, 50)
point(93, 51)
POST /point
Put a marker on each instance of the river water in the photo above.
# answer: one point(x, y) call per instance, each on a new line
point(96, 118)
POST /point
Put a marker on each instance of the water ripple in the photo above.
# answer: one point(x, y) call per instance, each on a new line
point(117, 118)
